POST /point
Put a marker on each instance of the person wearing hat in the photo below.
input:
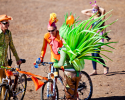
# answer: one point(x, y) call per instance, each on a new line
point(5, 42)
point(52, 38)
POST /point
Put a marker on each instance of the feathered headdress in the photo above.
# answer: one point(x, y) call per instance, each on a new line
point(52, 19)
point(70, 21)
point(81, 41)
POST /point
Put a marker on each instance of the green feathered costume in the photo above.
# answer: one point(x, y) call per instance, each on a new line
point(80, 41)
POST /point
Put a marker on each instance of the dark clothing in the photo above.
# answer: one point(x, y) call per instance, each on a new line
point(101, 60)
point(96, 23)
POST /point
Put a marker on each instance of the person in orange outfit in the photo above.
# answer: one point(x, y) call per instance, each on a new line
point(52, 38)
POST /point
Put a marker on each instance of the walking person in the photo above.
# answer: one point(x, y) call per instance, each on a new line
point(5, 42)
point(52, 38)
point(71, 77)
point(96, 11)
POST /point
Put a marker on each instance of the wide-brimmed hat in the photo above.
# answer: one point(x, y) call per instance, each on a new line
point(5, 17)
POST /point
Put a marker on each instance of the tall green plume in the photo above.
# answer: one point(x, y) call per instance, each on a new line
point(81, 41)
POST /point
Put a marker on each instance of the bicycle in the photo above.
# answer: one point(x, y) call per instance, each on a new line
point(50, 91)
point(15, 89)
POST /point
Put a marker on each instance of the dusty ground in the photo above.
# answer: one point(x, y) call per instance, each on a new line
point(30, 25)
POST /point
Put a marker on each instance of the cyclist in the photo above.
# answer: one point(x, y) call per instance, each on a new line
point(52, 38)
point(5, 41)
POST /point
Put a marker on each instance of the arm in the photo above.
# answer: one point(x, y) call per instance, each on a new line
point(62, 59)
point(43, 50)
point(87, 12)
point(12, 47)
point(102, 12)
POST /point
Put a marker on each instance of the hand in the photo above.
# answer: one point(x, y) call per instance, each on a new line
point(41, 58)
point(19, 62)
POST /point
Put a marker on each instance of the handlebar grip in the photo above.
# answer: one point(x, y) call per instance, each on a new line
point(23, 60)
point(13, 69)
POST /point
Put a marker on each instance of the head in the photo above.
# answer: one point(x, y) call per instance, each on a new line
point(4, 25)
point(95, 9)
point(52, 30)
point(4, 22)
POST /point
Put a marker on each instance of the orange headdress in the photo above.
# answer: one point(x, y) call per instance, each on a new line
point(53, 19)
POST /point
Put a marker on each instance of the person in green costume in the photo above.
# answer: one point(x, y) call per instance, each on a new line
point(78, 42)
point(71, 77)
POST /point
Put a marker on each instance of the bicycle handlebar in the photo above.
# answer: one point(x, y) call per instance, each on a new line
point(13, 69)
point(44, 63)
point(23, 60)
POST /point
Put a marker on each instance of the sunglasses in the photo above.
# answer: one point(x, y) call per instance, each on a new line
point(51, 30)
point(94, 10)
point(4, 23)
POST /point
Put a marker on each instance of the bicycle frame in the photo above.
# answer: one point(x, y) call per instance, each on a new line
point(7, 82)
point(52, 89)
point(51, 86)
point(54, 82)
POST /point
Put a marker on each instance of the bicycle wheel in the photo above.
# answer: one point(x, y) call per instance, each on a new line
point(47, 91)
point(6, 94)
point(85, 87)
point(21, 87)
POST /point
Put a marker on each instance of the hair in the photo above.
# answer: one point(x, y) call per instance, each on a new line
point(53, 25)
point(97, 7)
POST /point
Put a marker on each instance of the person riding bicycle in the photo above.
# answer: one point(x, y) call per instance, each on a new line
point(5, 41)
point(52, 38)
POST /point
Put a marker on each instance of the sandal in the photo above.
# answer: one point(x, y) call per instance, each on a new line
point(107, 71)
point(94, 73)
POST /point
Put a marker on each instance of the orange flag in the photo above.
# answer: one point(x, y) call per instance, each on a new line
point(34, 77)
point(28, 73)
point(37, 82)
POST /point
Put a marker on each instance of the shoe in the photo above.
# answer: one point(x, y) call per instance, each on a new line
point(94, 73)
point(107, 71)
point(108, 39)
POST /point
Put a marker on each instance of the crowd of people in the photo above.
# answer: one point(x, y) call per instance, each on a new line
point(52, 37)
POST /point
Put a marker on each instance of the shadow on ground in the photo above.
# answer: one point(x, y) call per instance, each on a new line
point(114, 73)
point(110, 98)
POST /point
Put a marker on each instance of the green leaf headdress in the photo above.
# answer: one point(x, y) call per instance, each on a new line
point(81, 41)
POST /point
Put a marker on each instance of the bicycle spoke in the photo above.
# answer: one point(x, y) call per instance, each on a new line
point(47, 91)
point(21, 87)
point(85, 87)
